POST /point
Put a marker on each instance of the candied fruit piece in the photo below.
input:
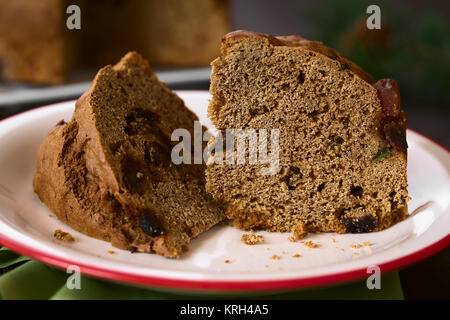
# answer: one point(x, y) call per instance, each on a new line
point(395, 135)
point(366, 223)
point(382, 154)
point(389, 95)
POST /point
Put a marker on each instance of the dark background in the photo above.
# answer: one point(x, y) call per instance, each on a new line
point(412, 47)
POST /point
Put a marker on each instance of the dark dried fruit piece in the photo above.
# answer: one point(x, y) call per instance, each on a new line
point(132, 249)
point(141, 121)
point(389, 96)
point(150, 225)
point(366, 223)
point(356, 191)
point(345, 66)
point(335, 141)
point(60, 123)
point(382, 154)
point(301, 77)
point(132, 174)
point(293, 177)
point(394, 121)
point(320, 187)
point(395, 135)
point(156, 154)
point(258, 110)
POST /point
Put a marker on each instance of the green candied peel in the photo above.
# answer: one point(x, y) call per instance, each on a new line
point(382, 154)
point(227, 222)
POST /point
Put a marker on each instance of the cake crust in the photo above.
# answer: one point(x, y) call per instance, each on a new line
point(299, 42)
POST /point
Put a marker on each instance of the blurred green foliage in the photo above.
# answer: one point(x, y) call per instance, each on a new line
point(411, 47)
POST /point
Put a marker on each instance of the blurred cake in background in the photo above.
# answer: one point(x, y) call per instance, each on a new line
point(37, 47)
point(186, 32)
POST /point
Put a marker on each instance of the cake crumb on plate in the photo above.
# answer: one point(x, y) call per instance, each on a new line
point(299, 231)
point(251, 238)
point(311, 244)
point(63, 236)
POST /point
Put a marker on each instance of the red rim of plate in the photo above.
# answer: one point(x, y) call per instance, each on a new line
point(235, 286)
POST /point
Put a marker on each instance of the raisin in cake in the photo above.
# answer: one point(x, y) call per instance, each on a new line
point(108, 172)
point(342, 138)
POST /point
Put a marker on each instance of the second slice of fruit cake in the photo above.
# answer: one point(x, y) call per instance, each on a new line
point(342, 137)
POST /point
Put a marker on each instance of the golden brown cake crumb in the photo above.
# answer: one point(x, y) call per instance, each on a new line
point(63, 236)
point(355, 246)
point(299, 231)
point(311, 244)
point(111, 252)
point(296, 255)
point(367, 243)
point(251, 239)
point(227, 261)
point(275, 257)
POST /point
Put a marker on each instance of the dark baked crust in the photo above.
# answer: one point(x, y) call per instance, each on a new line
point(296, 41)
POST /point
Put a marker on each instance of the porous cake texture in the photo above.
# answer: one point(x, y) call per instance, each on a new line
point(342, 137)
point(108, 172)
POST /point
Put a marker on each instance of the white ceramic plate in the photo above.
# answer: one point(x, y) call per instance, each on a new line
point(27, 227)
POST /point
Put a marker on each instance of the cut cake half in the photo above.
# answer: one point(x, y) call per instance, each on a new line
point(108, 172)
point(342, 137)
